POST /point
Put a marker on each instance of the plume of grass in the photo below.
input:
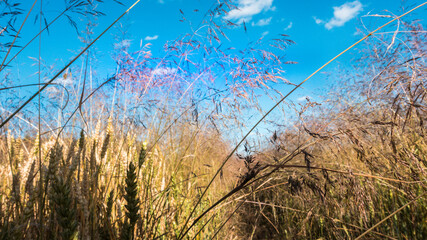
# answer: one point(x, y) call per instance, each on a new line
point(107, 231)
point(63, 206)
point(132, 203)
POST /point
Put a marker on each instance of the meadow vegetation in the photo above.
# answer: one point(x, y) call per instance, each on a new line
point(147, 153)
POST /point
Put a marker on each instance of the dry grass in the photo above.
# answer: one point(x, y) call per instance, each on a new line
point(141, 156)
point(357, 169)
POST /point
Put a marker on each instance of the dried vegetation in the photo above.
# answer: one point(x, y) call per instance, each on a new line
point(140, 154)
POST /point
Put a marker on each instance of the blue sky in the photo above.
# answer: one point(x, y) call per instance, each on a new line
point(320, 29)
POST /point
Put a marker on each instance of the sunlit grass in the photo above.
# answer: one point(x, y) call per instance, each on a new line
point(150, 153)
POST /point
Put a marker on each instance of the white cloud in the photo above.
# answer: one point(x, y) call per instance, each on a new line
point(248, 8)
point(265, 33)
point(342, 14)
point(263, 22)
point(289, 26)
point(163, 71)
point(150, 38)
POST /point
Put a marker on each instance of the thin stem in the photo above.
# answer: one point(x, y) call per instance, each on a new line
point(41, 207)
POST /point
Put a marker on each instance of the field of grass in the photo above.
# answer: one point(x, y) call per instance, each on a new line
point(144, 155)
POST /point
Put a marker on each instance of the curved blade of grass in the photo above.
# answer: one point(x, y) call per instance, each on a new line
point(64, 68)
point(38, 84)
point(277, 104)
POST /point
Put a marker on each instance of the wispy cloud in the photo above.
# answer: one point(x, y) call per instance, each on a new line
point(151, 38)
point(263, 22)
point(318, 21)
point(289, 26)
point(247, 9)
point(161, 1)
point(342, 14)
point(162, 71)
point(265, 33)
point(122, 44)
